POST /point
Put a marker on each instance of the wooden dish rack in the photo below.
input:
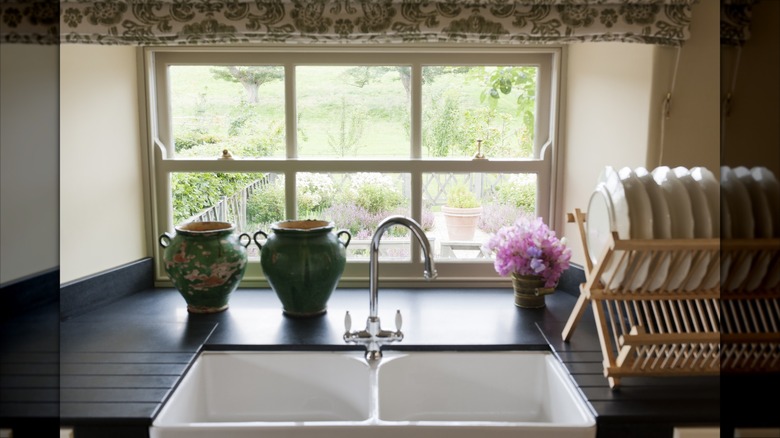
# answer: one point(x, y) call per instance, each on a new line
point(649, 329)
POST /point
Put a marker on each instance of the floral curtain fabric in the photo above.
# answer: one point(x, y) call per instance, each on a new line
point(196, 22)
point(735, 21)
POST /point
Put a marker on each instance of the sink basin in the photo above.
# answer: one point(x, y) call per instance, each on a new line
point(414, 394)
point(496, 387)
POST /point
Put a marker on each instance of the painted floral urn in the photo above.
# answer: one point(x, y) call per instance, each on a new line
point(303, 261)
point(205, 261)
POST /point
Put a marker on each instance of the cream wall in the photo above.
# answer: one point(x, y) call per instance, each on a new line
point(691, 132)
point(101, 187)
point(608, 88)
point(752, 129)
point(28, 160)
point(614, 94)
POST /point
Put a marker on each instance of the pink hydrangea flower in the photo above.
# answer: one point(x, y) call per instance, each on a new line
point(529, 247)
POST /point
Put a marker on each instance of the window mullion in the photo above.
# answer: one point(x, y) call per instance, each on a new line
point(416, 111)
point(291, 142)
point(290, 112)
point(416, 189)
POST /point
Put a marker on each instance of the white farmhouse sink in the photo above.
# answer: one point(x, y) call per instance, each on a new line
point(415, 394)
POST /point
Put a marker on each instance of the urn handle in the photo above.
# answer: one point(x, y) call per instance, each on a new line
point(248, 240)
point(165, 240)
point(265, 236)
point(349, 237)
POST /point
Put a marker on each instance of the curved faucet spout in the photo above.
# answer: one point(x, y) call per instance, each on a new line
point(373, 337)
point(430, 270)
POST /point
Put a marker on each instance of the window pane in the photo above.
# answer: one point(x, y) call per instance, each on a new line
point(251, 201)
point(355, 111)
point(358, 202)
point(239, 108)
point(462, 105)
point(467, 208)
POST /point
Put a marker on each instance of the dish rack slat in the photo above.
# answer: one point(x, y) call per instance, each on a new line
point(650, 323)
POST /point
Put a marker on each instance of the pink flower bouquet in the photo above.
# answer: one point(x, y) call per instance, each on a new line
point(529, 247)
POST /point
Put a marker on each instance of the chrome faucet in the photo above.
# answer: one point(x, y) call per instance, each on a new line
point(373, 337)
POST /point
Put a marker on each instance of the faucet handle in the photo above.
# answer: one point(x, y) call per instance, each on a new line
point(398, 320)
point(347, 322)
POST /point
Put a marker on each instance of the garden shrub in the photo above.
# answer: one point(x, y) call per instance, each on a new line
point(459, 196)
point(195, 192)
point(190, 139)
point(315, 193)
point(374, 192)
point(518, 191)
point(266, 206)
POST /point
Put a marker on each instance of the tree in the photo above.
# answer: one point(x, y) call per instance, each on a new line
point(506, 80)
point(364, 75)
point(350, 130)
point(251, 77)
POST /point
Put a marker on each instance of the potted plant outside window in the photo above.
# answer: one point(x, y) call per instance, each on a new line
point(461, 213)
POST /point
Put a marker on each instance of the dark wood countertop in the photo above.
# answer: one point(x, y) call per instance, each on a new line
point(119, 363)
point(121, 358)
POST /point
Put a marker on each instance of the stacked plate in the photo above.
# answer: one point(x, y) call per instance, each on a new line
point(665, 203)
point(751, 210)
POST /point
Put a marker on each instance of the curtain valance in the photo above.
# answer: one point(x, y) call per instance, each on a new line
point(194, 22)
point(735, 21)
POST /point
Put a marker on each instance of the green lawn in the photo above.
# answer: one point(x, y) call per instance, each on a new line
point(327, 99)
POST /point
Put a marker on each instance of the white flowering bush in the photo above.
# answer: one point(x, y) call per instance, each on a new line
point(375, 192)
point(315, 191)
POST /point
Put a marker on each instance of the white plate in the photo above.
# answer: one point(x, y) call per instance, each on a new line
point(682, 219)
point(702, 215)
point(725, 259)
point(711, 187)
point(758, 271)
point(613, 273)
point(772, 278)
point(766, 180)
point(617, 194)
point(702, 225)
point(599, 224)
point(641, 217)
point(763, 219)
point(725, 217)
point(762, 216)
point(737, 199)
point(662, 223)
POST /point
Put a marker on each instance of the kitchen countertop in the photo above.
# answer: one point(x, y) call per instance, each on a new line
point(107, 352)
point(120, 362)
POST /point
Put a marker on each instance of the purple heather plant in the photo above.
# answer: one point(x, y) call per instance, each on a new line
point(493, 215)
point(529, 247)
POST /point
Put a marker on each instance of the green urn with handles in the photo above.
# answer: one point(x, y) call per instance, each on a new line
point(303, 261)
point(205, 261)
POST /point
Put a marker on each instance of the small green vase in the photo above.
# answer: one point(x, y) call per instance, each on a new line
point(205, 261)
point(530, 291)
point(303, 261)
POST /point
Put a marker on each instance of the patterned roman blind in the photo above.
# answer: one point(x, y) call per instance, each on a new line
point(735, 21)
point(199, 22)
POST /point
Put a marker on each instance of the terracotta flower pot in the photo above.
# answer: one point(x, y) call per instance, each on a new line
point(461, 222)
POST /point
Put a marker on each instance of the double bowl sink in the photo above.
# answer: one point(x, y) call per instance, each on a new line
point(340, 394)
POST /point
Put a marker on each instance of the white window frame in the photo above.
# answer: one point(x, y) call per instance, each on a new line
point(452, 273)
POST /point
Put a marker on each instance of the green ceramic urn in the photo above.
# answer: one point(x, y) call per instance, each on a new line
point(205, 261)
point(303, 261)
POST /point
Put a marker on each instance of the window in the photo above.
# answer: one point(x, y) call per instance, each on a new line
point(352, 136)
